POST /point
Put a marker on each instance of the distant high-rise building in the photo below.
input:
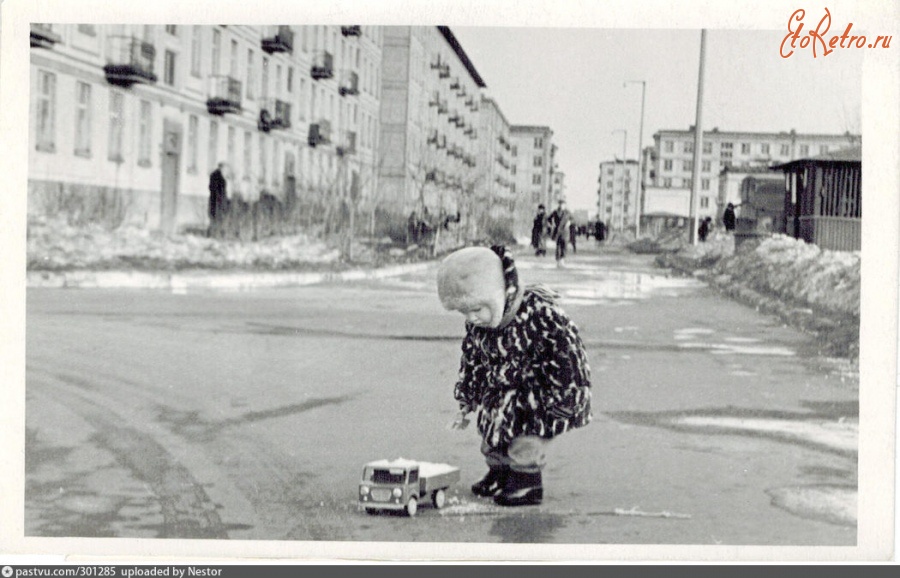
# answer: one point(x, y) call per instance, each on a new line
point(496, 187)
point(532, 151)
point(617, 193)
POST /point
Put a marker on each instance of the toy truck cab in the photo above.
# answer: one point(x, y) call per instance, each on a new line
point(401, 484)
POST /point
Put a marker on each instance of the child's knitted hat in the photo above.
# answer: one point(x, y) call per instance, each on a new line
point(472, 277)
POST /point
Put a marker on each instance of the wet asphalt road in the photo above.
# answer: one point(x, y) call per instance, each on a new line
point(249, 415)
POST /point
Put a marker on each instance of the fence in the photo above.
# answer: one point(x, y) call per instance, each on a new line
point(835, 233)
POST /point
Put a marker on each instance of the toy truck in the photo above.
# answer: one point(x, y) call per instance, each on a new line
point(401, 484)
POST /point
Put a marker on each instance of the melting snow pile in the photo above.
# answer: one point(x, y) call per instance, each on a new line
point(53, 245)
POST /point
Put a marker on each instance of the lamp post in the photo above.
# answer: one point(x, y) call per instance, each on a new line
point(624, 153)
point(640, 160)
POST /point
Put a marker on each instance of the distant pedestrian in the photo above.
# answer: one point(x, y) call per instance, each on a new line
point(703, 231)
point(218, 200)
point(599, 231)
point(412, 229)
point(728, 217)
point(560, 220)
point(524, 370)
point(538, 232)
point(573, 233)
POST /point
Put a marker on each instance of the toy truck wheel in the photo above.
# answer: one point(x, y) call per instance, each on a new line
point(412, 506)
point(371, 511)
point(439, 498)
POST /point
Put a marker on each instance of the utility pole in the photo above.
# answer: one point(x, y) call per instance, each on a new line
point(698, 144)
point(640, 160)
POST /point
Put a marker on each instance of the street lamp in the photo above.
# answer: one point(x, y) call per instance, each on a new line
point(624, 154)
point(640, 167)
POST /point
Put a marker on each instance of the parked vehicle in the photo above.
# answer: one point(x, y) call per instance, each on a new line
point(402, 484)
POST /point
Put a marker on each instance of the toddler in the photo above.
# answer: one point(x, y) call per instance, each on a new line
point(523, 369)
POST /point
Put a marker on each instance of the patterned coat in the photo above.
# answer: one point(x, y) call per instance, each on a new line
point(530, 376)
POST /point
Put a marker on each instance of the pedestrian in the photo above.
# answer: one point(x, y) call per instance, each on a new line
point(412, 229)
point(523, 370)
point(728, 217)
point(559, 222)
point(573, 233)
point(218, 200)
point(538, 230)
point(599, 231)
point(703, 231)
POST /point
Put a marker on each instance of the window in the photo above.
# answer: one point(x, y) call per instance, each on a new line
point(610, 171)
point(538, 161)
point(233, 70)
point(687, 165)
point(725, 154)
point(669, 146)
point(304, 36)
point(216, 51)
point(704, 184)
point(277, 81)
point(745, 148)
point(688, 147)
point(264, 86)
point(290, 79)
point(302, 105)
point(87, 29)
point(764, 148)
point(262, 160)
point(144, 134)
point(169, 72)
point(212, 153)
point(727, 146)
point(231, 143)
point(609, 184)
point(706, 166)
point(704, 202)
point(83, 119)
point(251, 74)
point(823, 149)
point(195, 51)
point(667, 165)
point(248, 152)
point(116, 125)
point(687, 183)
point(170, 29)
point(667, 183)
point(804, 150)
point(193, 123)
point(46, 112)
point(707, 147)
point(785, 150)
point(538, 142)
point(535, 179)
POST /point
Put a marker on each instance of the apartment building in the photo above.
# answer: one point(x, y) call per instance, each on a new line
point(671, 162)
point(617, 193)
point(430, 134)
point(558, 184)
point(532, 151)
point(135, 117)
point(495, 191)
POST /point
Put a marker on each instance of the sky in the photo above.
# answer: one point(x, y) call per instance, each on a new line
point(572, 81)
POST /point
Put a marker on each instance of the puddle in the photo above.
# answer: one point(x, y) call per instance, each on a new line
point(728, 349)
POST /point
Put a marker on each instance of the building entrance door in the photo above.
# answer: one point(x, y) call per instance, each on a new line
point(171, 158)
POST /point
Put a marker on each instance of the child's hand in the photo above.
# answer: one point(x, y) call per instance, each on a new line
point(460, 421)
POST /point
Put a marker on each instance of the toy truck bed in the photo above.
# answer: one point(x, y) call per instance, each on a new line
point(436, 477)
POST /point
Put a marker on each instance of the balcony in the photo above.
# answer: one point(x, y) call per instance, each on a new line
point(278, 39)
point(461, 92)
point(441, 142)
point(435, 99)
point(224, 95)
point(42, 36)
point(274, 114)
point(454, 117)
point(348, 144)
point(319, 133)
point(444, 70)
point(350, 84)
point(432, 137)
point(322, 66)
point(454, 84)
point(351, 30)
point(129, 61)
point(442, 107)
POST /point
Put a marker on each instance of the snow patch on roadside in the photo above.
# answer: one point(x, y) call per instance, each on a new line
point(841, 435)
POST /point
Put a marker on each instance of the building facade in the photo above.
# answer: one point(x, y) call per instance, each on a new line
point(616, 194)
point(671, 162)
point(532, 151)
point(429, 124)
point(496, 190)
point(135, 117)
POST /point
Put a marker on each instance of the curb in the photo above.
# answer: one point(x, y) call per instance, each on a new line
point(179, 282)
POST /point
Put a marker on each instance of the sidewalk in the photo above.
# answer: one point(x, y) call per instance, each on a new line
point(200, 279)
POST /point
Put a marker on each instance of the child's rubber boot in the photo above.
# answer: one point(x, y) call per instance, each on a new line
point(521, 489)
point(492, 483)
